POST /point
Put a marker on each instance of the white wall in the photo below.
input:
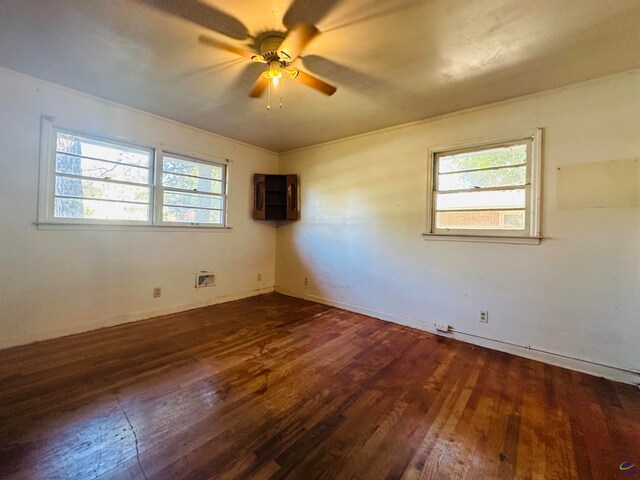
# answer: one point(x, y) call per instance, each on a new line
point(363, 210)
point(577, 294)
point(59, 282)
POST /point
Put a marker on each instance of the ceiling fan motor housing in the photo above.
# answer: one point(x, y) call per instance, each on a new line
point(269, 46)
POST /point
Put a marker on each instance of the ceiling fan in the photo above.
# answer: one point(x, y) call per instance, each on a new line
point(278, 51)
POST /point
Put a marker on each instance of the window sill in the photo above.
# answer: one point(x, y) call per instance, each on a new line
point(443, 237)
point(139, 228)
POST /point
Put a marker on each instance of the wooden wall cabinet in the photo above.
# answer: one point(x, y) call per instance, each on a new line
point(275, 197)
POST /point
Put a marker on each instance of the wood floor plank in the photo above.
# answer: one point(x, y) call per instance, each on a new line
point(274, 387)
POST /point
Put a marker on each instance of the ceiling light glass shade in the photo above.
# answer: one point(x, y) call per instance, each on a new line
point(275, 70)
point(274, 74)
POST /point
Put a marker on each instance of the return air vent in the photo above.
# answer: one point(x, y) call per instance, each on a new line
point(205, 279)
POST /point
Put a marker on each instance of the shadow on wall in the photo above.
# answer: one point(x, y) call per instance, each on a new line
point(357, 219)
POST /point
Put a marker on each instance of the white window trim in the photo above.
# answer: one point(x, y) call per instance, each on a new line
point(532, 234)
point(47, 221)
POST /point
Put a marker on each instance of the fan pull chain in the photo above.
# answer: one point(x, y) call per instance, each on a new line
point(269, 96)
point(281, 87)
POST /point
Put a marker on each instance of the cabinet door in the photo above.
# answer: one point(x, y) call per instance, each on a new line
point(259, 209)
point(292, 197)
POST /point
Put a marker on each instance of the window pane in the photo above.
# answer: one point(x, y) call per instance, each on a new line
point(75, 187)
point(481, 200)
point(192, 200)
point(86, 147)
point(100, 210)
point(191, 183)
point(191, 215)
point(185, 167)
point(482, 220)
point(96, 168)
point(492, 157)
point(504, 177)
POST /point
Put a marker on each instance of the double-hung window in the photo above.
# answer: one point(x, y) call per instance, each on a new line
point(192, 191)
point(97, 180)
point(93, 180)
point(488, 190)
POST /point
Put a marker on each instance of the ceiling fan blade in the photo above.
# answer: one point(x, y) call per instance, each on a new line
point(230, 48)
point(295, 41)
point(310, 11)
point(312, 81)
point(204, 14)
point(259, 87)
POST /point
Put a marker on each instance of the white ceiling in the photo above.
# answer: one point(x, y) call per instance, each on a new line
point(393, 61)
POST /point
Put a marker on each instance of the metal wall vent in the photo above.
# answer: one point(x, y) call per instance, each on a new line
point(205, 279)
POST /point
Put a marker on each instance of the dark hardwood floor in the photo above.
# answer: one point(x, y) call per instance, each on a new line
point(276, 387)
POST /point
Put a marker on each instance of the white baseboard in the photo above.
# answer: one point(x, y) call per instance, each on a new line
point(612, 372)
point(121, 319)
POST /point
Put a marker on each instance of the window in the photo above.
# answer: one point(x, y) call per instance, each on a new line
point(489, 190)
point(98, 180)
point(192, 192)
point(92, 180)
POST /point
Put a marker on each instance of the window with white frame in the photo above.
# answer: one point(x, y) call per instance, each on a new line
point(192, 191)
point(487, 190)
point(99, 180)
point(94, 180)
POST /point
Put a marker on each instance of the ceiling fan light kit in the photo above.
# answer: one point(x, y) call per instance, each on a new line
point(278, 50)
point(273, 76)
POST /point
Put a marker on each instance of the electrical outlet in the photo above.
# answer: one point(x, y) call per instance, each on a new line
point(259, 277)
point(484, 317)
point(306, 281)
point(157, 292)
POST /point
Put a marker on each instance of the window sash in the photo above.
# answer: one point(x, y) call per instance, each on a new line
point(497, 232)
point(487, 231)
point(161, 204)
